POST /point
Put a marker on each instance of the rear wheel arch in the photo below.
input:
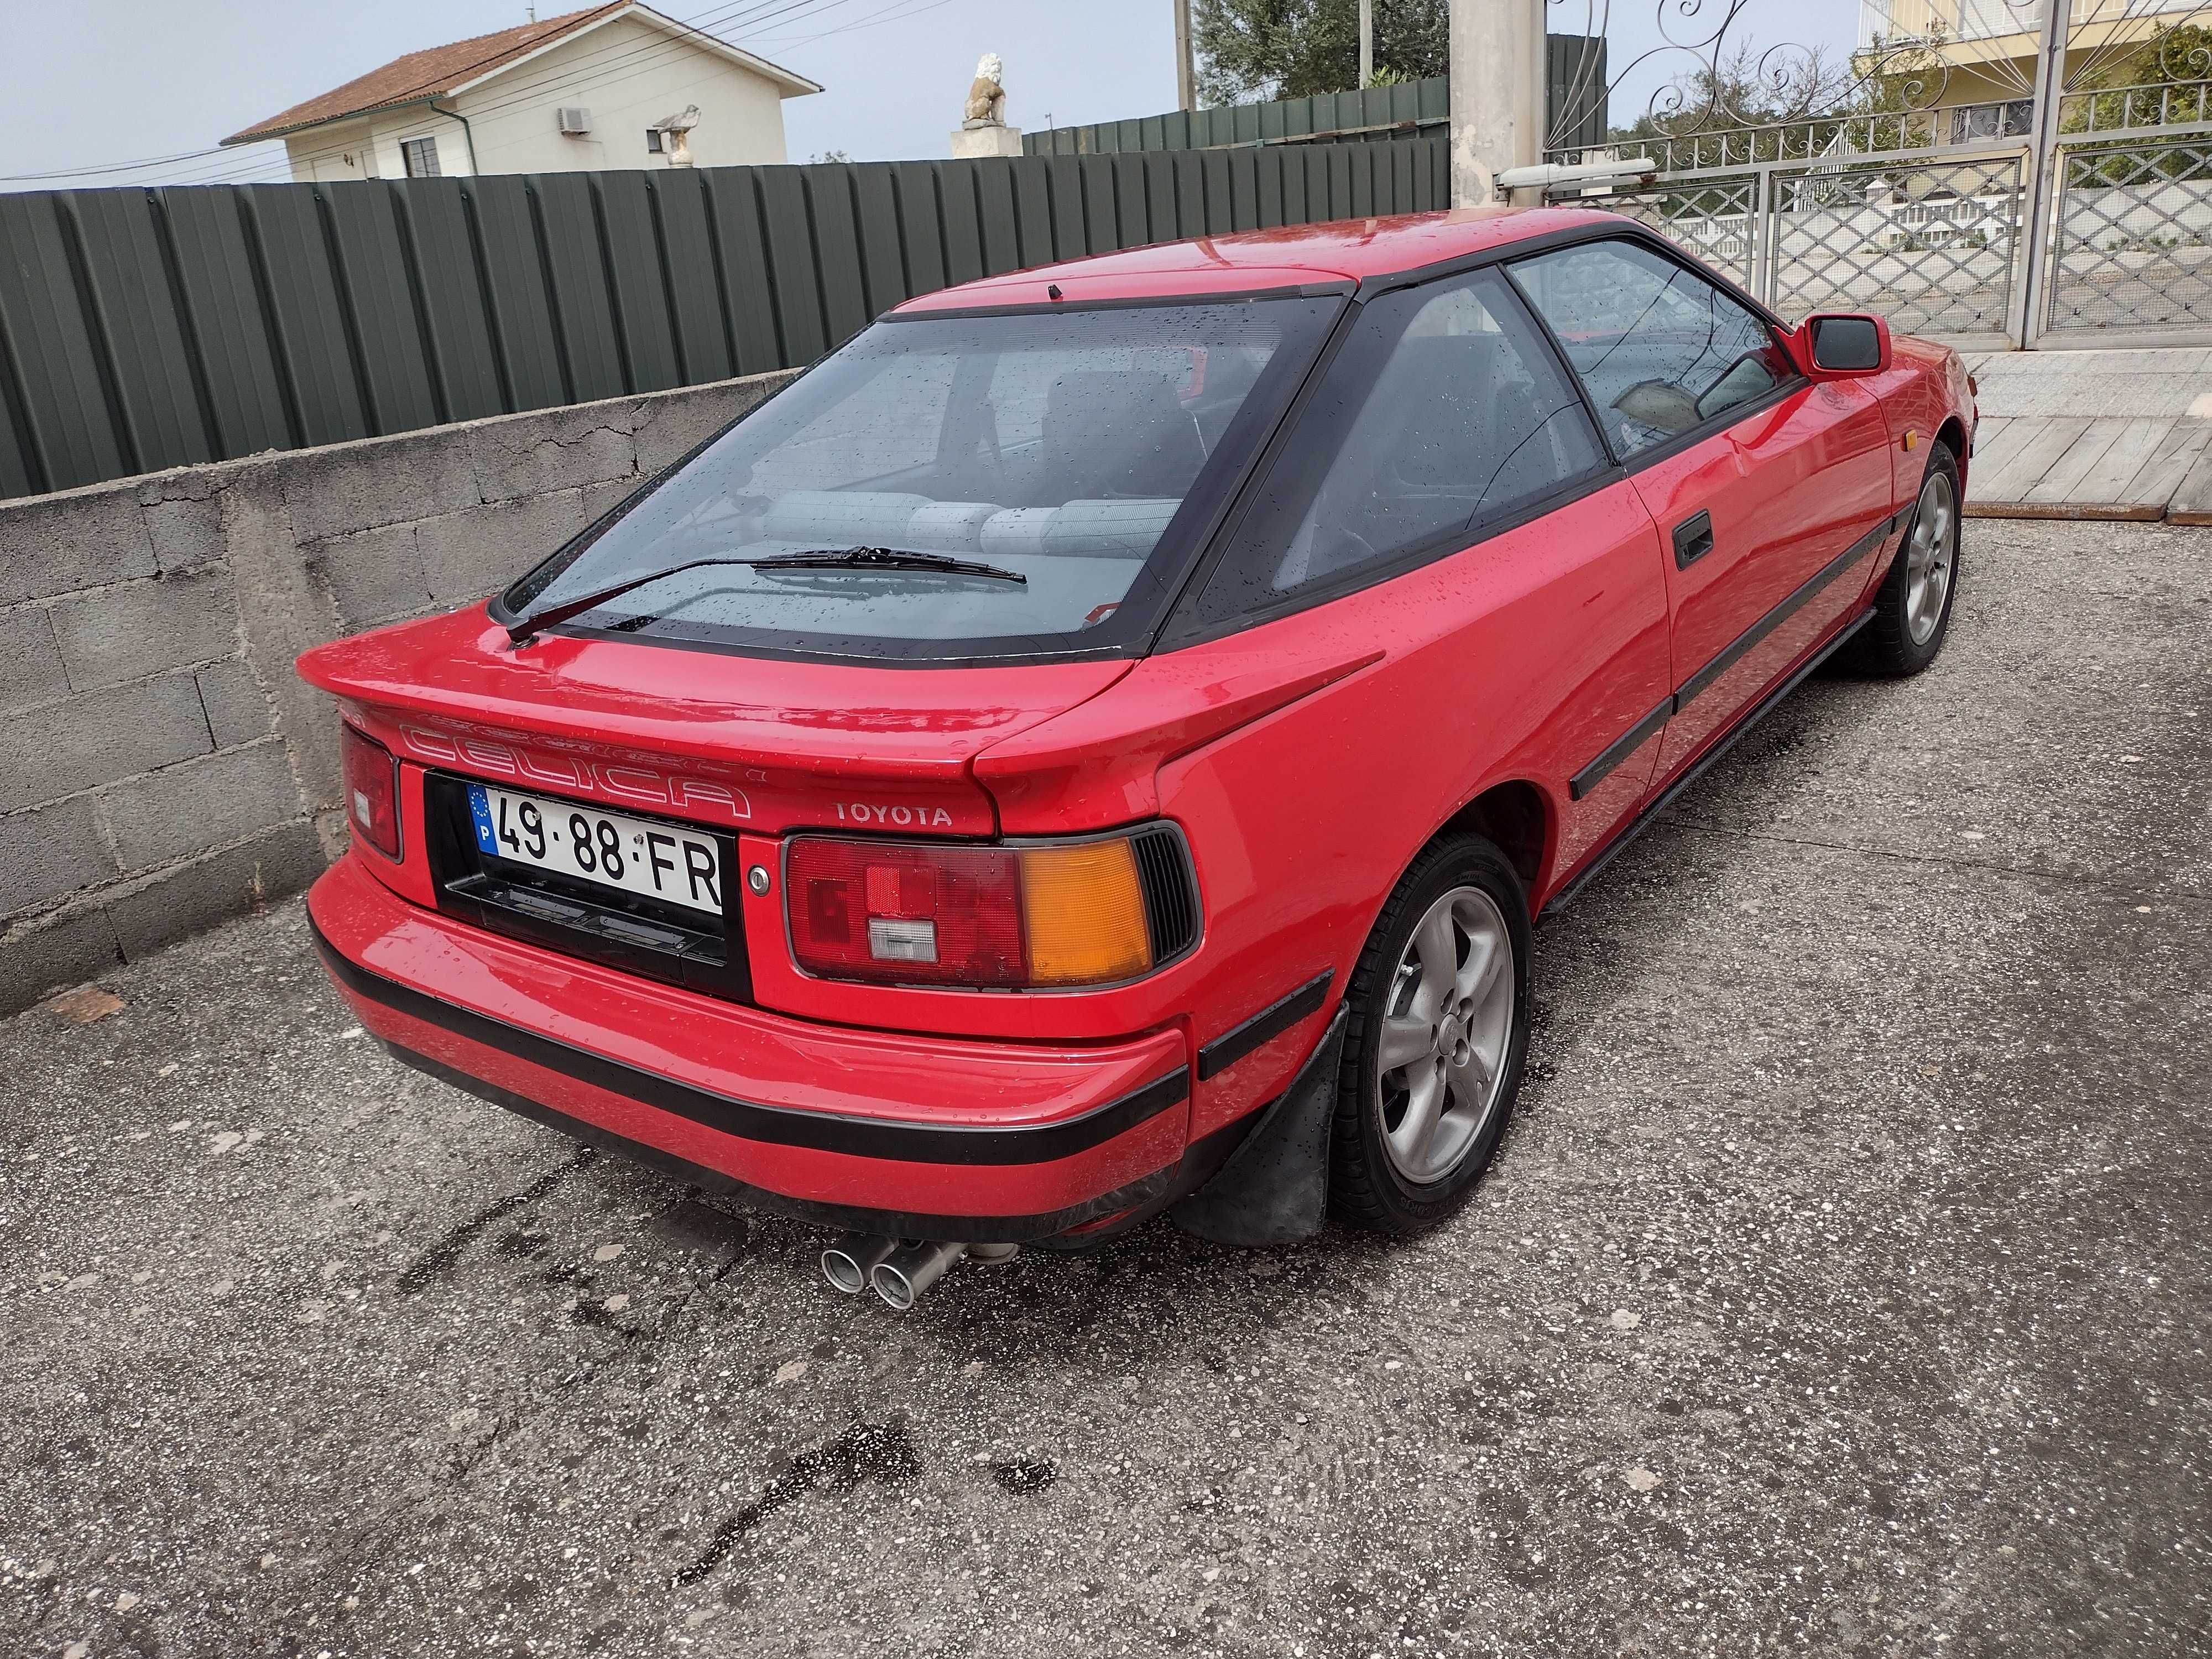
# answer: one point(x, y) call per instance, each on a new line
point(1517, 818)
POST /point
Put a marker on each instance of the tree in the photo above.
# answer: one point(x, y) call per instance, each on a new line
point(1746, 89)
point(2163, 81)
point(1261, 49)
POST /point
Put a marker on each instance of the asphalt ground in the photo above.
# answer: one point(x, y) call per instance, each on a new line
point(1841, 1286)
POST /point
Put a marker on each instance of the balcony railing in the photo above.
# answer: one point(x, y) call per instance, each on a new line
point(2117, 109)
point(1835, 138)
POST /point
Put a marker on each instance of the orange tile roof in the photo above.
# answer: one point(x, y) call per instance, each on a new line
point(420, 74)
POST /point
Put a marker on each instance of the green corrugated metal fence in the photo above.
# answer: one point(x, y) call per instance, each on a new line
point(1575, 77)
point(142, 329)
point(1378, 113)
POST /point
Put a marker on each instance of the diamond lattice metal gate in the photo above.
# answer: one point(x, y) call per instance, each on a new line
point(1932, 244)
point(2131, 246)
point(1932, 241)
point(1989, 172)
point(1712, 218)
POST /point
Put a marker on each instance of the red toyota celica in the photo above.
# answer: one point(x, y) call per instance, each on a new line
point(1096, 743)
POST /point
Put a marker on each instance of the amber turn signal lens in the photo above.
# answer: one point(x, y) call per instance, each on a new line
point(1083, 911)
point(921, 913)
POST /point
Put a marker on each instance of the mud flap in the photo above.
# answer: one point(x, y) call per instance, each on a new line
point(1275, 1188)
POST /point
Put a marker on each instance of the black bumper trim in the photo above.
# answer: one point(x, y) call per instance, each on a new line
point(1271, 1022)
point(858, 1137)
point(897, 1224)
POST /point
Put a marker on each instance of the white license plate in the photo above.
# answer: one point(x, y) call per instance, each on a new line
point(603, 848)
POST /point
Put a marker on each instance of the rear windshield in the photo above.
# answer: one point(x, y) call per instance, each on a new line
point(1085, 451)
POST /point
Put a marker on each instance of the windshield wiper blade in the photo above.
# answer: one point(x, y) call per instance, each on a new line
point(523, 628)
point(520, 631)
point(885, 558)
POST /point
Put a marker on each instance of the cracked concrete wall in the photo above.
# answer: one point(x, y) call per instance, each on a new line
point(161, 767)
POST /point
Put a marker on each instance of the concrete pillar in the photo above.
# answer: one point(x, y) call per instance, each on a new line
point(1497, 93)
point(1186, 67)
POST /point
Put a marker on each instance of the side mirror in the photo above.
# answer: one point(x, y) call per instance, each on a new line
point(1837, 343)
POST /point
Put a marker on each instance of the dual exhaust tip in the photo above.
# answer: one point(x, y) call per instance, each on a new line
point(898, 1271)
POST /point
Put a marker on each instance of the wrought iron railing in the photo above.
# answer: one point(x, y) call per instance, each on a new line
point(2113, 109)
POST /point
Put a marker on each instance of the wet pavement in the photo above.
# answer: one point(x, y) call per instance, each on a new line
point(1841, 1287)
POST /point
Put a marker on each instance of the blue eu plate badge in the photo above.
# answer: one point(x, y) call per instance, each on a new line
point(480, 811)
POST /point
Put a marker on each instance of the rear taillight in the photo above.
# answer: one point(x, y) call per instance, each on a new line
point(372, 791)
point(917, 912)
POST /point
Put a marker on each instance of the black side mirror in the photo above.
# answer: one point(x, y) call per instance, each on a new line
point(1846, 345)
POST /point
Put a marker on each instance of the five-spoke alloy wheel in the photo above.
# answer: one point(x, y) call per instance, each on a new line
point(1928, 549)
point(1912, 606)
point(1438, 1031)
point(1442, 1057)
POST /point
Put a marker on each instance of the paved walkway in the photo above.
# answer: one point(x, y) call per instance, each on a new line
point(2094, 434)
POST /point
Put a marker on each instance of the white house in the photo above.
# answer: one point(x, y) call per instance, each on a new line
point(586, 91)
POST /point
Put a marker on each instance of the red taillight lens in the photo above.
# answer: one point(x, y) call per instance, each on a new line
point(1096, 911)
point(372, 791)
point(914, 914)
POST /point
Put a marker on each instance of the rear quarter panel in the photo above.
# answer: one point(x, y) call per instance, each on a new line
point(1518, 660)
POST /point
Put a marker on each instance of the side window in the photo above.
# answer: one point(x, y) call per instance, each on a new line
point(1443, 410)
point(1661, 350)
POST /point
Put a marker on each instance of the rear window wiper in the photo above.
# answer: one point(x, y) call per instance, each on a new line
point(523, 628)
point(885, 558)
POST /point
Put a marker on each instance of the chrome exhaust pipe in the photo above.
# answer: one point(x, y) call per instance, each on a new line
point(901, 1279)
point(848, 1263)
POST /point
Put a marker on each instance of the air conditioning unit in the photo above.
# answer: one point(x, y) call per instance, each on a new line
point(575, 120)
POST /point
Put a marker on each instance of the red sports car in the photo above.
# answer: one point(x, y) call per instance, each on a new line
point(1096, 743)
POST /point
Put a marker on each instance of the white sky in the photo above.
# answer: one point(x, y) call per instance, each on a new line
point(96, 81)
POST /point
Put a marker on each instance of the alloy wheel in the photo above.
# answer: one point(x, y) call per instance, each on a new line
point(1440, 1061)
point(1928, 557)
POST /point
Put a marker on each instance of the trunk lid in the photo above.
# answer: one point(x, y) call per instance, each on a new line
point(764, 743)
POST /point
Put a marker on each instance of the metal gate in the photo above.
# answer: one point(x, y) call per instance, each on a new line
point(2075, 208)
point(1933, 240)
point(2131, 253)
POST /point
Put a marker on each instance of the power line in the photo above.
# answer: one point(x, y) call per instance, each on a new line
point(591, 69)
point(858, 23)
point(740, 12)
point(646, 55)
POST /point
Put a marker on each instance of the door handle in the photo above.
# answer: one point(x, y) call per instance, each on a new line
point(1693, 539)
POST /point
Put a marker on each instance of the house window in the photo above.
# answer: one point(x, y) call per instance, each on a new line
point(421, 155)
point(652, 140)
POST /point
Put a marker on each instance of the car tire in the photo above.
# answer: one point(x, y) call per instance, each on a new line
point(1388, 1173)
point(1912, 607)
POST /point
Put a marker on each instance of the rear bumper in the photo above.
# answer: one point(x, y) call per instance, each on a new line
point(926, 1137)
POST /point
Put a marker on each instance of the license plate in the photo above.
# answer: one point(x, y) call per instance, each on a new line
point(602, 848)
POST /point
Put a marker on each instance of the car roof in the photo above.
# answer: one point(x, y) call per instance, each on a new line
point(1291, 256)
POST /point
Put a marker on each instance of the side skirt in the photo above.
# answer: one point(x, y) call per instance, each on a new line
point(1759, 711)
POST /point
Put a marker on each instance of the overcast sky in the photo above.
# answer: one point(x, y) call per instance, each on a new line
point(100, 82)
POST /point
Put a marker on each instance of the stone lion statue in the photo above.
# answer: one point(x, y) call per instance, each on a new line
point(987, 97)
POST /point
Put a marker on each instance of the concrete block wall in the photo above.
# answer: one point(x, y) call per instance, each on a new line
point(161, 767)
